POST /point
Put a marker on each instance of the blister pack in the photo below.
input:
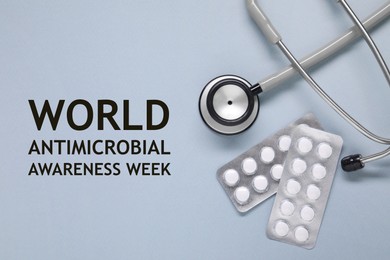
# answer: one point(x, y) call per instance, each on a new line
point(254, 176)
point(304, 188)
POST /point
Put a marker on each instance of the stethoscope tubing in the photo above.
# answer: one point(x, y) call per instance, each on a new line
point(327, 50)
point(273, 36)
point(368, 39)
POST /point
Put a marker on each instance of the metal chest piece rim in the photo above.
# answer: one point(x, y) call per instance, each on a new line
point(227, 105)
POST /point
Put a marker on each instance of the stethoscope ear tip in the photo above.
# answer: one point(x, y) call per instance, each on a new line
point(228, 105)
point(352, 163)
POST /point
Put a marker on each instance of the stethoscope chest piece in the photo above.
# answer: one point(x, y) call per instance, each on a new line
point(227, 105)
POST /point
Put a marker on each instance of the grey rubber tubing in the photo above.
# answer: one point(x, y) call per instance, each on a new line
point(323, 53)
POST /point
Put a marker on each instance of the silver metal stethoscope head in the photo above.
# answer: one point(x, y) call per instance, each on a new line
point(228, 104)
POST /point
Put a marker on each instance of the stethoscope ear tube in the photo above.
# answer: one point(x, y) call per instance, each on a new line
point(352, 162)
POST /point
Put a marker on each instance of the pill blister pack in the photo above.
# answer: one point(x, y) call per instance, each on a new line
point(304, 188)
point(254, 176)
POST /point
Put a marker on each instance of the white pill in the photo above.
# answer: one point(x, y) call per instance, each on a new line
point(293, 187)
point(305, 145)
point(307, 213)
point(281, 228)
point(299, 166)
point(267, 154)
point(313, 192)
point(241, 194)
point(287, 208)
point(260, 184)
point(324, 150)
point(301, 234)
point(284, 143)
point(276, 172)
point(249, 166)
point(231, 177)
point(318, 171)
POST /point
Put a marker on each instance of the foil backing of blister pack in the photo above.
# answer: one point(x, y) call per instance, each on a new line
point(254, 176)
point(304, 188)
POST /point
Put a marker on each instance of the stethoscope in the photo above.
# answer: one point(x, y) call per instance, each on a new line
point(230, 104)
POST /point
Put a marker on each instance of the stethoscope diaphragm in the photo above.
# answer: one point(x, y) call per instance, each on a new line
point(228, 105)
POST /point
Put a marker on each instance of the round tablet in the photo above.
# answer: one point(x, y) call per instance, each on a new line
point(241, 194)
point(307, 213)
point(301, 234)
point(276, 172)
point(299, 166)
point(284, 143)
point(287, 208)
point(267, 154)
point(304, 145)
point(281, 228)
point(231, 177)
point(293, 187)
point(260, 184)
point(318, 171)
point(249, 166)
point(313, 192)
point(324, 150)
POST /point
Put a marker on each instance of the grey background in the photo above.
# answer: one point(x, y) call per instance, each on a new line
point(169, 50)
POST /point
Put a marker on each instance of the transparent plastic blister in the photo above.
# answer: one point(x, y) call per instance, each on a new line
point(304, 188)
point(254, 176)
